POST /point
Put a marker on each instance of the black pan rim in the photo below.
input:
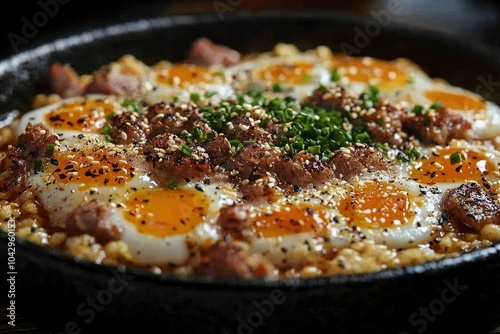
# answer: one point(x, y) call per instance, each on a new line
point(474, 48)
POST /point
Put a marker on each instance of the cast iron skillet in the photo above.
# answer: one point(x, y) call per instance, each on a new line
point(65, 295)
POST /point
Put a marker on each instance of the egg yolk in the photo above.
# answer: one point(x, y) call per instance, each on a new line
point(292, 73)
point(87, 116)
point(376, 205)
point(180, 74)
point(290, 220)
point(456, 101)
point(100, 167)
point(385, 75)
point(166, 212)
point(451, 165)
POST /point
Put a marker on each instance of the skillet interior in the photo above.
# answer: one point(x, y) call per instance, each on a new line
point(51, 288)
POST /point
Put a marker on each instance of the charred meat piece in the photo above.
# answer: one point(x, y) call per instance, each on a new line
point(206, 53)
point(93, 218)
point(471, 206)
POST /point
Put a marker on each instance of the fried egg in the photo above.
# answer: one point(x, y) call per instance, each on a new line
point(73, 117)
point(159, 225)
point(186, 82)
point(484, 116)
point(358, 73)
point(459, 163)
point(296, 75)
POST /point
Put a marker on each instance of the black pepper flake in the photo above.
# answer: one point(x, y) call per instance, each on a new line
point(62, 176)
point(198, 187)
point(310, 211)
point(297, 188)
point(81, 136)
point(54, 162)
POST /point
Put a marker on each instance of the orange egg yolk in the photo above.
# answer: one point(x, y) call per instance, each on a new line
point(293, 73)
point(181, 74)
point(166, 212)
point(290, 220)
point(456, 101)
point(376, 205)
point(87, 116)
point(384, 74)
point(96, 168)
point(440, 167)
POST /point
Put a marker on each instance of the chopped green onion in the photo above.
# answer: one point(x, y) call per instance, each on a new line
point(131, 103)
point(186, 150)
point(195, 97)
point(277, 88)
point(106, 132)
point(172, 184)
point(37, 165)
point(307, 77)
point(323, 88)
point(186, 136)
point(456, 157)
point(316, 150)
point(414, 154)
point(436, 105)
point(49, 150)
point(410, 80)
point(209, 94)
point(218, 73)
point(418, 110)
point(334, 75)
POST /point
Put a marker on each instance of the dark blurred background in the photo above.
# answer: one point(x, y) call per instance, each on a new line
point(477, 20)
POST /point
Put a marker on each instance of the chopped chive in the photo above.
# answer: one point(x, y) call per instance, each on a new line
point(186, 150)
point(277, 88)
point(402, 157)
point(456, 157)
point(418, 110)
point(106, 132)
point(197, 133)
point(410, 80)
point(37, 166)
point(316, 149)
point(209, 94)
point(323, 88)
point(172, 184)
point(413, 153)
point(49, 150)
point(132, 104)
point(334, 75)
point(176, 99)
point(110, 116)
point(436, 105)
point(195, 97)
point(307, 78)
point(186, 136)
